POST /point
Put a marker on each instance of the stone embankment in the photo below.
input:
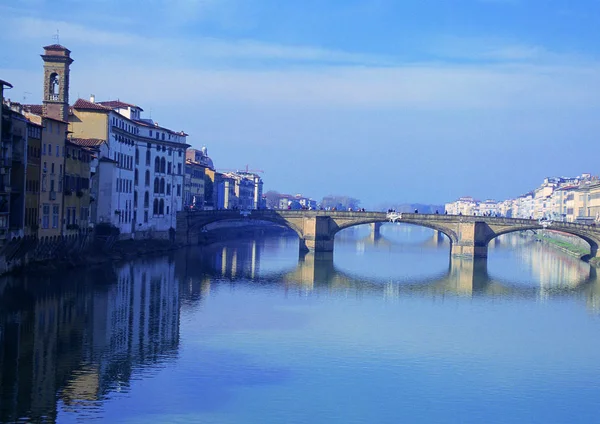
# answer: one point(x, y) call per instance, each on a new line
point(32, 255)
point(569, 244)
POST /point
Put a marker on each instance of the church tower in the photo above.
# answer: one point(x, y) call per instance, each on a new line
point(57, 60)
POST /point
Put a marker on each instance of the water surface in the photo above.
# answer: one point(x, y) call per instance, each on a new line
point(384, 330)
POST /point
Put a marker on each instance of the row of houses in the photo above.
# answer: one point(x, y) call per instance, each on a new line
point(64, 168)
point(569, 199)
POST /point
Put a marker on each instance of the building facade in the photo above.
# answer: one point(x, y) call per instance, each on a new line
point(77, 187)
point(145, 162)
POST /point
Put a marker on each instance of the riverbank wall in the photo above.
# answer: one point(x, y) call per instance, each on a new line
point(568, 244)
point(47, 254)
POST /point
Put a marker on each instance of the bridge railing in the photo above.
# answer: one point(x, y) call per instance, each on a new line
point(394, 216)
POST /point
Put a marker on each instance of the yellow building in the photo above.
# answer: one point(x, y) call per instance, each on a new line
point(76, 187)
point(32, 183)
point(193, 195)
point(593, 206)
point(53, 115)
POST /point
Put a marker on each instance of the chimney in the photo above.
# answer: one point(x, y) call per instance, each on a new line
point(92, 98)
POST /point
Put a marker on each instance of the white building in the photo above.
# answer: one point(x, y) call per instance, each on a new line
point(139, 176)
point(465, 205)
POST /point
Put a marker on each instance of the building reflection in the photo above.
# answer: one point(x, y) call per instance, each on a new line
point(73, 341)
point(69, 343)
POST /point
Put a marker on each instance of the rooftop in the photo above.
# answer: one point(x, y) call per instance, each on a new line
point(56, 47)
point(87, 142)
point(117, 104)
point(87, 105)
point(35, 109)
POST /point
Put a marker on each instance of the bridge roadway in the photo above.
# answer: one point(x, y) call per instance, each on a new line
point(469, 235)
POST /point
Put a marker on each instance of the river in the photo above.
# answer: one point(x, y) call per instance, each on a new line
point(384, 330)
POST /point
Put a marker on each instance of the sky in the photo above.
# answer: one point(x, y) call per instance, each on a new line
point(382, 100)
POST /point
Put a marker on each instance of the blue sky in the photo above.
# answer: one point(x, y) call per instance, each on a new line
point(383, 100)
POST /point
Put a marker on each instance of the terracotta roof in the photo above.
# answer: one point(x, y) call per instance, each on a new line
point(35, 109)
point(148, 124)
point(117, 104)
point(87, 142)
point(84, 104)
point(54, 119)
point(56, 47)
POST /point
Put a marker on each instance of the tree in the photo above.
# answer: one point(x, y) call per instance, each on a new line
point(272, 198)
point(340, 202)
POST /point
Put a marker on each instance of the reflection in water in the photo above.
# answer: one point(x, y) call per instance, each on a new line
point(77, 340)
point(557, 274)
point(66, 344)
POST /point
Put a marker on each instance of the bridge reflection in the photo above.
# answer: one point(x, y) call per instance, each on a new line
point(462, 277)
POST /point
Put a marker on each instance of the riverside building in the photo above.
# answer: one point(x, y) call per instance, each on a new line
point(138, 179)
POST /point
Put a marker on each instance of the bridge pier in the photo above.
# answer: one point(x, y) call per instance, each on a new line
point(472, 240)
point(375, 231)
point(317, 234)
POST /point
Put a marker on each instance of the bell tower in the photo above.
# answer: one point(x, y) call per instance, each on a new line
point(57, 60)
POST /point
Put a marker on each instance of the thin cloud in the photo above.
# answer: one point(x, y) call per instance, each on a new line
point(202, 48)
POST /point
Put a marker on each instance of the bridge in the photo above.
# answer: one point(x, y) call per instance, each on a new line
point(469, 235)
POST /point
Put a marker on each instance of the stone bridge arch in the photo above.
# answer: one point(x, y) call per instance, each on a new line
point(469, 235)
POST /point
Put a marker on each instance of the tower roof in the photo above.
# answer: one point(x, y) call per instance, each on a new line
point(57, 47)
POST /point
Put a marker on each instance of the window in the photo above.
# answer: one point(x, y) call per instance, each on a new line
point(55, 212)
point(157, 164)
point(146, 216)
point(57, 151)
point(155, 207)
point(179, 189)
point(135, 177)
point(135, 199)
point(49, 149)
point(161, 207)
point(168, 189)
point(180, 153)
point(146, 200)
point(179, 169)
point(147, 179)
point(162, 186)
point(44, 182)
point(52, 184)
point(44, 149)
point(148, 157)
point(169, 168)
point(163, 136)
point(52, 168)
point(137, 156)
point(45, 216)
point(156, 186)
point(167, 210)
point(163, 167)
point(150, 133)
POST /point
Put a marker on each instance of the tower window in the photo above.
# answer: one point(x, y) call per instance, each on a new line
point(54, 86)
